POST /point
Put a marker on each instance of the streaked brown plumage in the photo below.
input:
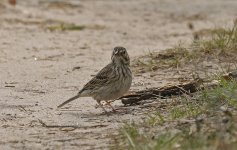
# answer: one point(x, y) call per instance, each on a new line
point(111, 82)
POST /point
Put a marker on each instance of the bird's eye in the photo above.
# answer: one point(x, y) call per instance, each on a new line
point(115, 52)
point(123, 52)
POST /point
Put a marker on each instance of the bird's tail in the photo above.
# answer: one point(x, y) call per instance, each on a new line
point(68, 101)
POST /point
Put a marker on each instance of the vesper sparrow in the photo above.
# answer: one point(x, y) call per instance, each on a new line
point(111, 82)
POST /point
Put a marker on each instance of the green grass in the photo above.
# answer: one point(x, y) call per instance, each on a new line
point(221, 45)
point(223, 41)
point(155, 119)
point(73, 27)
point(133, 138)
point(65, 27)
point(216, 129)
point(169, 58)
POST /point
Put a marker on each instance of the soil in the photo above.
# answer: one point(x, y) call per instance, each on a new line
point(41, 68)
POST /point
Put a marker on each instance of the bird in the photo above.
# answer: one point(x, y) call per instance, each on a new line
point(110, 83)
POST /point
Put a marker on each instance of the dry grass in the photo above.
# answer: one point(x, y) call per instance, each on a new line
point(219, 47)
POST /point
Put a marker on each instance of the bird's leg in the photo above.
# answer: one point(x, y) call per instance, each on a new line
point(108, 103)
point(101, 106)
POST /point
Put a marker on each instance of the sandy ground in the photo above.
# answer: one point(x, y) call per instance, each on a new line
point(36, 65)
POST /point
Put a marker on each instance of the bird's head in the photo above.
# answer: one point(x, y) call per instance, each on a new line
point(120, 56)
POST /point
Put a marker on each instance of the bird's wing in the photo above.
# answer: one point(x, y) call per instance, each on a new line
point(102, 78)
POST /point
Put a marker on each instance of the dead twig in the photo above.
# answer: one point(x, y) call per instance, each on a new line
point(176, 90)
point(154, 93)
